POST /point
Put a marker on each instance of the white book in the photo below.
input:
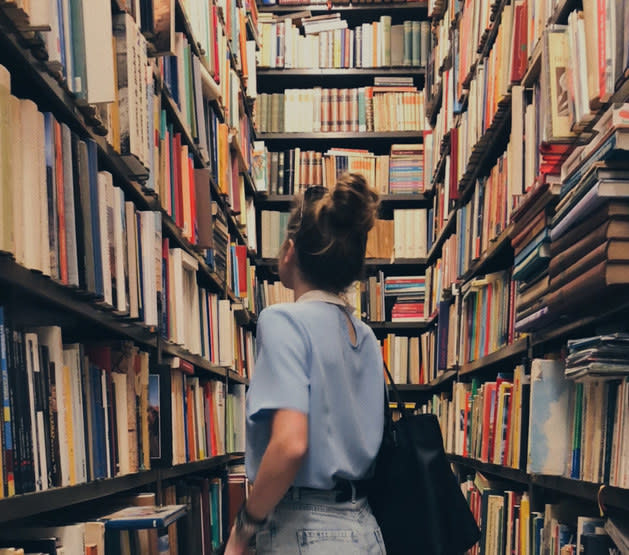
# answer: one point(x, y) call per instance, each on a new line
point(202, 447)
point(206, 323)
point(105, 217)
point(131, 229)
point(38, 158)
point(16, 193)
point(225, 333)
point(218, 399)
point(516, 167)
point(122, 428)
point(121, 301)
point(52, 38)
point(150, 237)
point(175, 296)
point(99, 53)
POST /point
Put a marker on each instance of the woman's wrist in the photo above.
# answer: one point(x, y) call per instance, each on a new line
point(246, 525)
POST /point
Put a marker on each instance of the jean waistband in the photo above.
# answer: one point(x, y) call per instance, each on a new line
point(343, 491)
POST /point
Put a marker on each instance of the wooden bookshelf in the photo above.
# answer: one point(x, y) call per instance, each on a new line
point(364, 136)
point(342, 73)
point(391, 265)
point(376, 6)
point(498, 254)
point(448, 229)
point(517, 348)
point(264, 200)
point(26, 284)
point(589, 491)
point(198, 361)
point(503, 472)
point(31, 504)
point(418, 326)
point(235, 377)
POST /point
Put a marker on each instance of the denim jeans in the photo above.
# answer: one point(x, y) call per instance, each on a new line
point(313, 523)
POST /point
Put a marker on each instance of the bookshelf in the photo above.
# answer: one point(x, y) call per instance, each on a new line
point(32, 299)
point(358, 8)
point(379, 266)
point(477, 111)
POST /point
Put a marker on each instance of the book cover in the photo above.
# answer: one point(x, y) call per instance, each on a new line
point(142, 517)
point(548, 442)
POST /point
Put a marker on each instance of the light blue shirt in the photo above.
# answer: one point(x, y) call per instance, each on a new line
point(306, 362)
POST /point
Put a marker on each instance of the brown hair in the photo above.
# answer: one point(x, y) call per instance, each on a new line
point(330, 232)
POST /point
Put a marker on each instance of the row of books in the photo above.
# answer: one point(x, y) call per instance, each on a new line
point(341, 110)
point(191, 520)
point(292, 171)
point(507, 421)
point(85, 234)
point(479, 223)
point(72, 413)
point(404, 237)
point(509, 523)
point(328, 43)
point(487, 317)
point(198, 319)
point(207, 419)
point(129, 102)
point(391, 298)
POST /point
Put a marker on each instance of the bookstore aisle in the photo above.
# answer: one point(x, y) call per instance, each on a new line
point(149, 155)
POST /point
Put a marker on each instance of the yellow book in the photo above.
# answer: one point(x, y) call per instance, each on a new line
point(69, 428)
point(525, 527)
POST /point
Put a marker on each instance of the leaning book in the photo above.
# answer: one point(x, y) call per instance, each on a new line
point(136, 518)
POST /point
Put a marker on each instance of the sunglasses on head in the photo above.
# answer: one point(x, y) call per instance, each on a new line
point(311, 194)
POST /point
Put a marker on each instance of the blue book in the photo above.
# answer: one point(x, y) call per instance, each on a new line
point(79, 73)
point(548, 443)
point(5, 401)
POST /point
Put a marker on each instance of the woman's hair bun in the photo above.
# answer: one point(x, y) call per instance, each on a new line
point(353, 204)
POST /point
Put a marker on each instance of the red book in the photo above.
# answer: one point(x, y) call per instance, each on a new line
point(241, 256)
point(207, 389)
point(489, 407)
point(178, 215)
point(215, 27)
point(194, 235)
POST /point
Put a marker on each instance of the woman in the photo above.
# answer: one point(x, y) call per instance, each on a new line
point(315, 404)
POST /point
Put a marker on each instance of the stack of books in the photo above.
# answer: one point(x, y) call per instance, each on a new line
point(409, 293)
point(601, 356)
point(589, 238)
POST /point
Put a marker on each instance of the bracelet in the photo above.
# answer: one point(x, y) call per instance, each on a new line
point(246, 526)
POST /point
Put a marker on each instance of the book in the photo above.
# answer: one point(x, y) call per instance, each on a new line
point(549, 418)
point(141, 517)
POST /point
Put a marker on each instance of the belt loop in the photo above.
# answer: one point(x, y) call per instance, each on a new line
point(351, 484)
point(295, 493)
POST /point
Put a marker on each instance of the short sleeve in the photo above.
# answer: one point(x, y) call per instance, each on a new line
point(281, 377)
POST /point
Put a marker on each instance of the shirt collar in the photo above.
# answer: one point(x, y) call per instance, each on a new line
point(320, 295)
